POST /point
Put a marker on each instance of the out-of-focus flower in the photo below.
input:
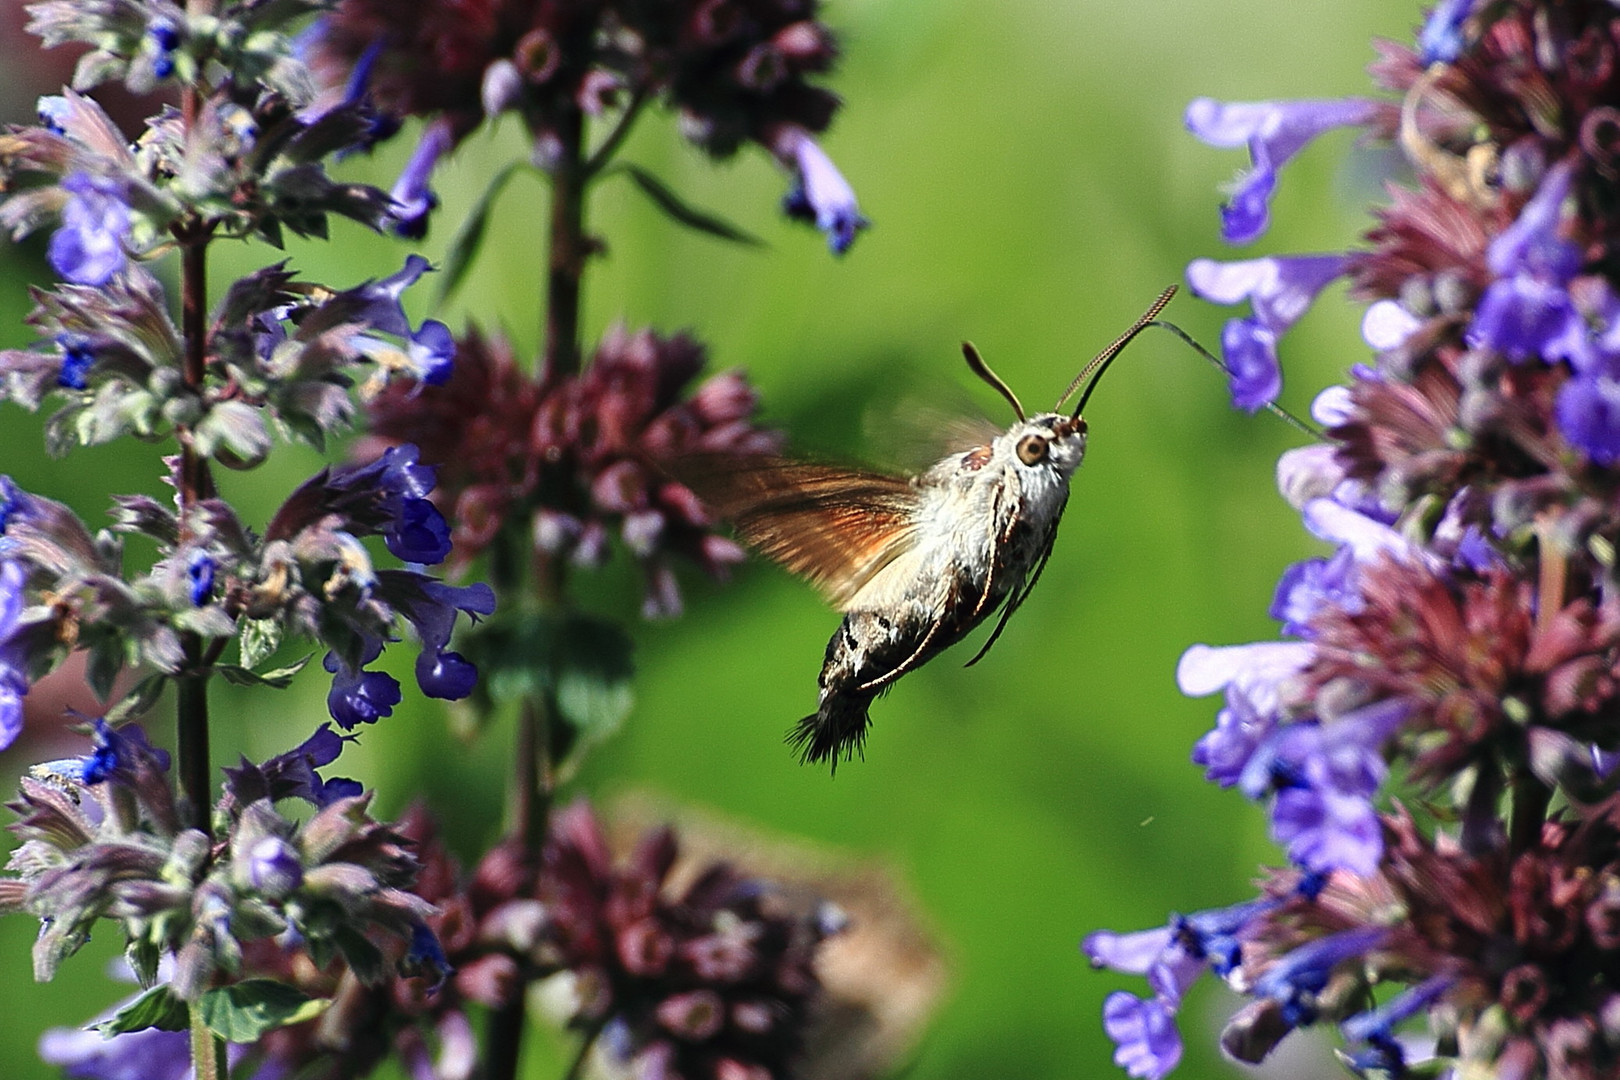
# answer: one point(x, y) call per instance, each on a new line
point(820, 193)
point(572, 460)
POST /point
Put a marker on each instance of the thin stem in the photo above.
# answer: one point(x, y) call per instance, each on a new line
point(587, 1040)
point(533, 780)
point(207, 1051)
point(1530, 800)
point(191, 740)
point(568, 248)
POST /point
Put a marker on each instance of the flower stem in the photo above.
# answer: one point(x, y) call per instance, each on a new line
point(195, 484)
point(207, 1050)
point(586, 1041)
point(1530, 799)
point(568, 247)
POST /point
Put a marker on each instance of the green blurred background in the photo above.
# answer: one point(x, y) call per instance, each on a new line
point(1032, 189)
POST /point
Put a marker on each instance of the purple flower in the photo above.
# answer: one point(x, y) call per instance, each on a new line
point(1441, 39)
point(1377, 1027)
point(13, 679)
point(426, 956)
point(1249, 351)
point(148, 1054)
point(292, 775)
point(77, 360)
point(1274, 131)
point(1146, 1043)
point(382, 309)
point(415, 530)
point(820, 193)
point(52, 110)
point(1527, 311)
point(413, 199)
point(432, 352)
point(273, 868)
point(359, 696)
point(1280, 289)
point(200, 574)
point(1387, 325)
point(120, 755)
point(1588, 412)
point(431, 606)
point(162, 39)
point(1298, 977)
point(88, 249)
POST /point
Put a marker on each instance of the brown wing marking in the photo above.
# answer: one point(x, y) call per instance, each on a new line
point(835, 526)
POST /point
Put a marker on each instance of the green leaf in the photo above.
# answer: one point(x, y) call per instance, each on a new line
point(280, 678)
point(244, 1011)
point(138, 700)
point(592, 676)
point(259, 638)
point(157, 1008)
point(470, 237)
point(676, 208)
point(582, 665)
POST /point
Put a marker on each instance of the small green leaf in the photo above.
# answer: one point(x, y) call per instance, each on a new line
point(592, 676)
point(259, 638)
point(676, 208)
point(470, 237)
point(138, 700)
point(157, 1008)
point(244, 1011)
point(280, 678)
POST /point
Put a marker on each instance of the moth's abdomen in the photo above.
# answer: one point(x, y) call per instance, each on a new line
point(869, 651)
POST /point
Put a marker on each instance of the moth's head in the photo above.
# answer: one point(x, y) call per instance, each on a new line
point(1047, 443)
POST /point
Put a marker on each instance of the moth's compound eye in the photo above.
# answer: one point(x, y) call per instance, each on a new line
point(1032, 449)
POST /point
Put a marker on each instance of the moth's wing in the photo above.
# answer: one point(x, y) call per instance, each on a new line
point(913, 435)
point(835, 526)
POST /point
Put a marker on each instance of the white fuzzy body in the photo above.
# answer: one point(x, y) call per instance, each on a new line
point(983, 519)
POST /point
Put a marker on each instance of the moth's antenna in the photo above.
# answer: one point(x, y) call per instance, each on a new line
point(976, 363)
point(1277, 410)
point(1100, 362)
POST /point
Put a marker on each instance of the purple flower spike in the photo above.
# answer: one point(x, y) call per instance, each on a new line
point(1147, 1045)
point(1527, 312)
point(1249, 351)
point(121, 755)
point(1274, 131)
point(413, 199)
point(89, 247)
point(820, 194)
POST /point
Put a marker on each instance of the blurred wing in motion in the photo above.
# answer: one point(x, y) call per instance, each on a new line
point(835, 526)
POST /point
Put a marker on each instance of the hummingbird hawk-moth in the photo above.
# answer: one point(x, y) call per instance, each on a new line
point(913, 563)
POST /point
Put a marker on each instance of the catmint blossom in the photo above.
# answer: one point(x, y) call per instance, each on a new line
point(820, 193)
point(88, 248)
point(413, 199)
point(1273, 131)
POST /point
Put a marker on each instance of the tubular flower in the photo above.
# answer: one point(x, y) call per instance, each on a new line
point(1461, 637)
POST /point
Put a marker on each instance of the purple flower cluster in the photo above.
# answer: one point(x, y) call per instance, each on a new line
point(736, 71)
point(1462, 636)
point(574, 460)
